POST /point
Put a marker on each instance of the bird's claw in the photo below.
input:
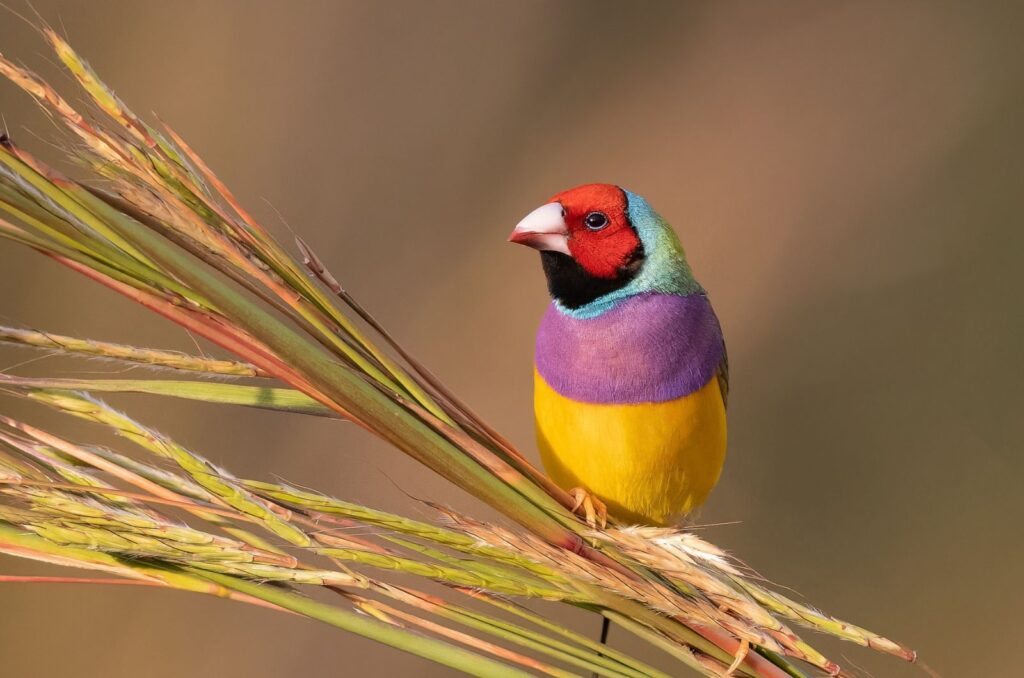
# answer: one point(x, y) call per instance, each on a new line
point(589, 507)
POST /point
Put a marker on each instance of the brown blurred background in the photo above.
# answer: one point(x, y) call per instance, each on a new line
point(846, 178)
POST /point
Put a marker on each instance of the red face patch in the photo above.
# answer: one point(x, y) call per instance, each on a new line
point(601, 239)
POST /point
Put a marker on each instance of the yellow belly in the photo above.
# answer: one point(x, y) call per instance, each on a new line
point(651, 463)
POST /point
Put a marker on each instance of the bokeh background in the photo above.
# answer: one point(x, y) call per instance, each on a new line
point(846, 178)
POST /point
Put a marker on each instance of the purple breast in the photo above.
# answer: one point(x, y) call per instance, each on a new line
point(649, 348)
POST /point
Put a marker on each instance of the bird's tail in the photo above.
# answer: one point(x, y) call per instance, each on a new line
point(605, 625)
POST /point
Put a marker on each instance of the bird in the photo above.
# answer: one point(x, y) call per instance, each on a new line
point(631, 374)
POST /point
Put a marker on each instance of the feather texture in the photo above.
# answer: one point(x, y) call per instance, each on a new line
point(651, 463)
point(648, 348)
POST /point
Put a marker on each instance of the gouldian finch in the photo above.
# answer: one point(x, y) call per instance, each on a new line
point(631, 374)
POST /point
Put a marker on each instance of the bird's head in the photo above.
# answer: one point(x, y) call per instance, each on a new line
point(600, 243)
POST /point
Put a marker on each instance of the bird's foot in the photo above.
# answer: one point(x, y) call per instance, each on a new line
point(589, 507)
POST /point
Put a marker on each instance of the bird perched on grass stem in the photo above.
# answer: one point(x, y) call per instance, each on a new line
point(631, 375)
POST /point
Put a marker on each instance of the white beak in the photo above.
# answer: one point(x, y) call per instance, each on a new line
point(543, 229)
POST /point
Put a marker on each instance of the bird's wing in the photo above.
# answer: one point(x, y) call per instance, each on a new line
point(723, 376)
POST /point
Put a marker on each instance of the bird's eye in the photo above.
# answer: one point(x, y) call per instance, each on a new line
point(595, 221)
